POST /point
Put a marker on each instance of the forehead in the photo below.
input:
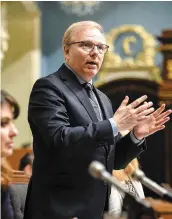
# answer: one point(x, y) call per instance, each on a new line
point(87, 33)
point(6, 110)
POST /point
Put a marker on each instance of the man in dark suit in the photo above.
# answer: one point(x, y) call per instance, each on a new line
point(73, 124)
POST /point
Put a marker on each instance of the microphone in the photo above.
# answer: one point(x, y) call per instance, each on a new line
point(97, 170)
point(140, 176)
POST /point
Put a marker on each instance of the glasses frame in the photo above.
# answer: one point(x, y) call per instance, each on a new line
point(82, 42)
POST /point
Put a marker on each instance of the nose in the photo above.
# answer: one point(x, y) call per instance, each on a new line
point(13, 130)
point(94, 51)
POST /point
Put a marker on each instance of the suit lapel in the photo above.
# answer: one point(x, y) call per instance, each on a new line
point(74, 85)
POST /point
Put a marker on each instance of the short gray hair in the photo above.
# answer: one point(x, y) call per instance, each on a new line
point(71, 28)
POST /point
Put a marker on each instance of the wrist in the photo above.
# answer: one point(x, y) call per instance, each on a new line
point(137, 136)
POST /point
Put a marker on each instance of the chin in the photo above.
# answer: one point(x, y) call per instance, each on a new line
point(93, 73)
point(89, 75)
point(8, 153)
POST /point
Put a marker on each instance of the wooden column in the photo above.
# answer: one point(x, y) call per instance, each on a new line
point(165, 96)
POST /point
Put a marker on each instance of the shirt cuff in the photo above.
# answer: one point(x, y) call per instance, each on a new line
point(114, 127)
point(135, 140)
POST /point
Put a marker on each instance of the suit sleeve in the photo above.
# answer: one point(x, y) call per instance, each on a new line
point(48, 118)
point(126, 150)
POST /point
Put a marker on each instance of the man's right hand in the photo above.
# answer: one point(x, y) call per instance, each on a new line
point(128, 116)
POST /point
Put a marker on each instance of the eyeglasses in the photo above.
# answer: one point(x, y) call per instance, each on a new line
point(89, 46)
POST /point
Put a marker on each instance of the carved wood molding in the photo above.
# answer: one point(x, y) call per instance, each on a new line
point(165, 93)
point(127, 62)
point(19, 177)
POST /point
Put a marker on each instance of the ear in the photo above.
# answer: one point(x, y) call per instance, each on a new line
point(66, 52)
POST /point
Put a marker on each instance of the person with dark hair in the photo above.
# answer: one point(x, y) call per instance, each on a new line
point(73, 123)
point(8, 99)
point(26, 145)
point(26, 163)
point(9, 111)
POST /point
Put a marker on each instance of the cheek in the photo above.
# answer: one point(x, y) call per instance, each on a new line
point(77, 60)
point(101, 59)
point(5, 150)
point(3, 137)
point(100, 63)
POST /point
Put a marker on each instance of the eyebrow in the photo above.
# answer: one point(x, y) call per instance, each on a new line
point(6, 119)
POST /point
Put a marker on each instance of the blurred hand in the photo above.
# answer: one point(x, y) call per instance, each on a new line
point(128, 116)
point(153, 123)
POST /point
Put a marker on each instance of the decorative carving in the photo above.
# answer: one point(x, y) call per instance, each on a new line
point(165, 96)
point(135, 64)
point(165, 89)
point(80, 8)
point(169, 68)
point(4, 31)
point(165, 93)
point(166, 49)
point(126, 44)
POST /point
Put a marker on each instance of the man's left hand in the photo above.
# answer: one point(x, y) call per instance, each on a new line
point(153, 123)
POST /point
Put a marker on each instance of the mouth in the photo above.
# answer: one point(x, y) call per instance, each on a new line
point(92, 64)
point(10, 145)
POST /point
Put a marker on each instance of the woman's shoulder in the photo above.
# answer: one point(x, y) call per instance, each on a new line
point(6, 207)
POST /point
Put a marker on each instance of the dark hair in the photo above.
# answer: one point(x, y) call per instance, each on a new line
point(25, 160)
point(26, 145)
point(7, 98)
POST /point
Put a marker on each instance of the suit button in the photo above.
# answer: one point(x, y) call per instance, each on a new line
point(105, 184)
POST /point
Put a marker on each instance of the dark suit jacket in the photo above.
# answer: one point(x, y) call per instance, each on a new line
point(66, 138)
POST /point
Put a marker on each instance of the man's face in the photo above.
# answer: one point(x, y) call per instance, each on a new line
point(84, 63)
point(8, 130)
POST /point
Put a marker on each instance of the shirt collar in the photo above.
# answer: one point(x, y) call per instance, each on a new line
point(81, 80)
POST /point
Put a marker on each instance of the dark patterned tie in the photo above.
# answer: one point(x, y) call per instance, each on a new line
point(94, 103)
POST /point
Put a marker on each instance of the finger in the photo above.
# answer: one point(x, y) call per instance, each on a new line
point(143, 107)
point(162, 121)
point(159, 110)
point(165, 114)
point(147, 112)
point(148, 118)
point(157, 129)
point(142, 118)
point(125, 101)
point(138, 101)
